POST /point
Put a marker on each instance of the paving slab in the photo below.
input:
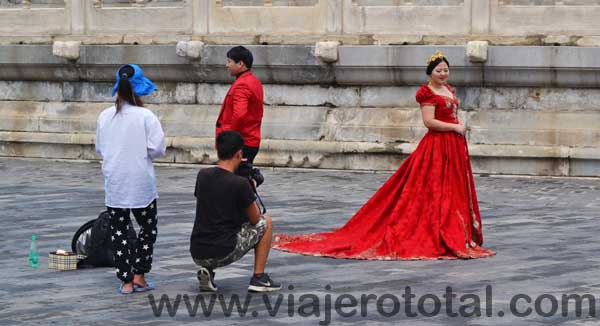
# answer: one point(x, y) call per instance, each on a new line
point(545, 231)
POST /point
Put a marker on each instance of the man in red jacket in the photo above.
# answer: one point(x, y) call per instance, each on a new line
point(242, 108)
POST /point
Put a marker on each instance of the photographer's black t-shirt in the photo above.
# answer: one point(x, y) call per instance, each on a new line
point(221, 200)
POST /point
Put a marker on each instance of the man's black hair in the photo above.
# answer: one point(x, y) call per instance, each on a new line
point(240, 53)
point(228, 143)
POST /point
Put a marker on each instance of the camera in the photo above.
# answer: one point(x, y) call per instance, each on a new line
point(247, 170)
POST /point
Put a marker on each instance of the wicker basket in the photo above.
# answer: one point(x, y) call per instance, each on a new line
point(62, 262)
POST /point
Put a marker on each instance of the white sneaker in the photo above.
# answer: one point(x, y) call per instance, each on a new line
point(206, 278)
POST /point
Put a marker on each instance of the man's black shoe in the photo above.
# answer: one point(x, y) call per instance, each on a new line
point(263, 284)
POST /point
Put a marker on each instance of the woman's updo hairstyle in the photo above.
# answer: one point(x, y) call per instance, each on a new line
point(435, 60)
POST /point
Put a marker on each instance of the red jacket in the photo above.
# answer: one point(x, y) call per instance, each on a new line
point(242, 109)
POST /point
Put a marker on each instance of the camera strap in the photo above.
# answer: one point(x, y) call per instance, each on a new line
point(261, 205)
point(264, 209)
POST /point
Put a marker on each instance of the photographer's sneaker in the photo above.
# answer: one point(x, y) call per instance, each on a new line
point(263, 284)
point(206, 277)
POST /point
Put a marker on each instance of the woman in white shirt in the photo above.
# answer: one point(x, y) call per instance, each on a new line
point(128, 138)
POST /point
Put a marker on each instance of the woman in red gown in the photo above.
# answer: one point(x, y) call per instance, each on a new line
point(428, 208)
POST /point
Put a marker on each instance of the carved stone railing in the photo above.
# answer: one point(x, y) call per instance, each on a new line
point(28, 4)
point(519, 17)
point(34, 17)
point(449, 22)
point(137, 3)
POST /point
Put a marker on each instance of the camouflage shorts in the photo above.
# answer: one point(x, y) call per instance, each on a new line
point(247, 238)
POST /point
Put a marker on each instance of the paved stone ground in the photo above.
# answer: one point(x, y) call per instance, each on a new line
point(544, 230)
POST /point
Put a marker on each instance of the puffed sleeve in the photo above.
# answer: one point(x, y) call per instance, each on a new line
point(425, 96)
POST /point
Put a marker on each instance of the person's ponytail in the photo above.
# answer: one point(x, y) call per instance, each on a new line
point(125, 91)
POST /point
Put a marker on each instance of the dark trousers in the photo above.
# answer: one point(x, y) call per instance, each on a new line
point(137, 260)
point(249, 153)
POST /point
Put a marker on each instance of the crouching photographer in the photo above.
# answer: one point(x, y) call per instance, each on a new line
point(228, 220)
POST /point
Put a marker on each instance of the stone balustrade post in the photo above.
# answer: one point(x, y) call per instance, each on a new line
point(480, 17)
point(77, 11)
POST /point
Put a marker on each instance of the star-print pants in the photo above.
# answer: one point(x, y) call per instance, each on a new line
point(138, 260)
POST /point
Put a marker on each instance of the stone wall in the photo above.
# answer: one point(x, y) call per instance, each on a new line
point(531, 110)
point(339, 75)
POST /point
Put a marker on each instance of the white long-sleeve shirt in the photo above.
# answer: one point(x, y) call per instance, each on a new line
point(127, 143)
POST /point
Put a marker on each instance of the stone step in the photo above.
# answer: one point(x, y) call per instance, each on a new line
point(355, 124)
point(495, 159)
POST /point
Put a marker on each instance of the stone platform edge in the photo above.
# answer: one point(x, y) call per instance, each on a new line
point(489, 159)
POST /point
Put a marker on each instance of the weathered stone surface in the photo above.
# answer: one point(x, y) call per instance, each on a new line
point(91, 39)
point(343, 39)
point(307, 95)
point(477, 51)
point(288, 39)
point(397, 39)
point(367, 97)
point(30, 91)
point(70, 118)
point(523, 166)
point(558, 40)
point(574, 67)
point(172, 21)
point(190, 49)
point(497, 159)
point(514, 40)
point(87, 92)
point(7, 39)
point(187, 120)
point(376, 125)
point(194, 121)
point(544, 17)
point(311, 95)
point(530, 98)
point(168, 93)
point(371, 96)
point(589, 41)
point(445, 40)
point(228, 39)
point(371, 22)
point(327, 51)
point(21, 115)
point(66, 49)
point(287, 19)
point(528, 124)
point(185, 93)
point(211, 94)
point(36, 22)
point(379, 18)
point(584, 168)
point(309, 123)
point(539, 100)
point(158, 39)
point(182, 93)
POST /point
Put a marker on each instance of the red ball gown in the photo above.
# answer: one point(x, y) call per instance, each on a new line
point(426, 210)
